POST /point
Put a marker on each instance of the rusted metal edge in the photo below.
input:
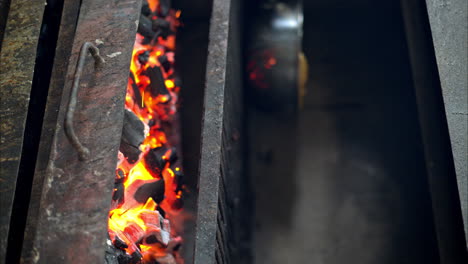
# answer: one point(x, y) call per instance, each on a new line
point(17, 61)
point(211, 135)
point(69, 217)
point(63, 50)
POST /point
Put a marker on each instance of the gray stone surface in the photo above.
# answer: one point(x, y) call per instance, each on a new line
point(449, 26)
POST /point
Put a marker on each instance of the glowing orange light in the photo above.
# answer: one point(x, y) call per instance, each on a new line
point(169, 84)
point(152, 111)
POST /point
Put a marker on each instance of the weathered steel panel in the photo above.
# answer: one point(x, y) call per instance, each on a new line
point(76, 195)
point(65, 38)
point(211, 143)
point(450, 35)
point(4, 8)
point(435, 134)
point(18, 53)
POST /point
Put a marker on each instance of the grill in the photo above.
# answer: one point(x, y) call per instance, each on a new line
point(65, 126)
point(64, 77)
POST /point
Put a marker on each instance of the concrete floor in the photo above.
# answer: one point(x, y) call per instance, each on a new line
point(346, 181)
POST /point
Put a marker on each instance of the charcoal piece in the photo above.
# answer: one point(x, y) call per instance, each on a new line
point(143, 57)
point(161, 211)
point(157, 85)
point(131, 153)
point(179, 179)
point(164, 7)
point(136, 91)
point(172, 156)
point(125, 259)
point(119, 243)
point(136, 257)
point(114, 255)
point(151, 240)
point(119, 176)
point(145, 27)
point(132, 136)
point(119, 193)
point(154, 161)
point(154, 190)
point(165, 63)
point(133, 129)
point(161, 27)
point(151, 123)
point(146, 10)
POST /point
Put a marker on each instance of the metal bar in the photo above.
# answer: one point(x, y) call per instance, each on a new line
point(440, 167)
point(447, 21)
point(83, 152)
point(74, 197)
point(210, 159)
point(63, 51)
point(18, 53)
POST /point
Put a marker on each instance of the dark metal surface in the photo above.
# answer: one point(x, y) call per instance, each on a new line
point(73, 197)
point(4, 8)
point(64, 47)
point(435, 135)
point(83, 152)
point(450, 36)
point(17, 58)
point(212, 126)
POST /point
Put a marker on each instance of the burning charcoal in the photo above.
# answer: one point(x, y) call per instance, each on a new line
point(164, 7)
point(144, 57)
point(119, 189)
point(151, 217)
point(172, 156)
point(136, 90)
point(157, 85)
point(118, 194)
point(134, 232)
point(154, 190)
point(119, 243)
point(113, 253)
point(162, 27)
point(156, 235)
point(154, 161)
point(136, 257)
point(119, 175)
point(151, 123)
point(179, 179)
point(125, 259)
point(165, 63)
point(132, 136)
point(157, 229)
point(145, 27)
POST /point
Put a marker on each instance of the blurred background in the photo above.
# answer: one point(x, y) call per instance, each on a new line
point(345, 179)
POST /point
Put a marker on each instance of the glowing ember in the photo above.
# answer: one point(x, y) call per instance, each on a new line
point(148, 188)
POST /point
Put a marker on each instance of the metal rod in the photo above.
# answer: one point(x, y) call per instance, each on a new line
point(83, 152)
